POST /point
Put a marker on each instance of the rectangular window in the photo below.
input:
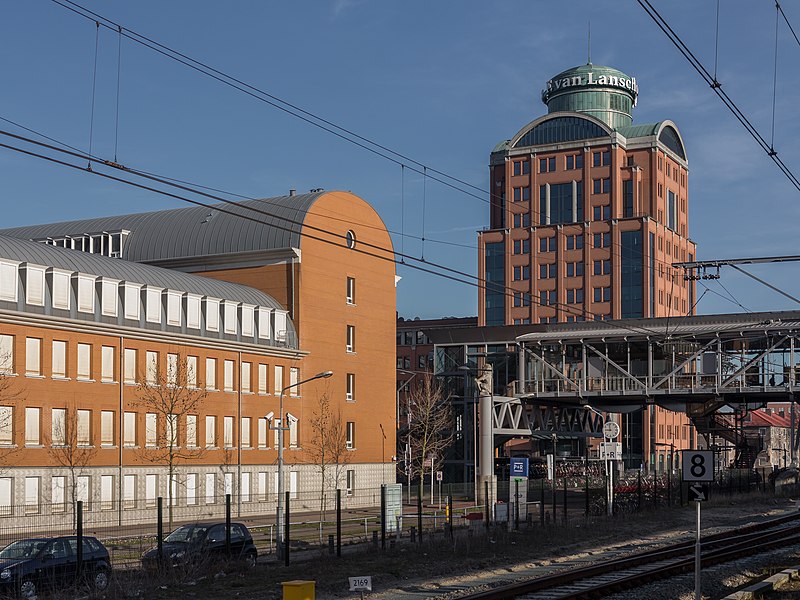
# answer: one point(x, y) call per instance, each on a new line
point(150, 489)
point(130, 365)
point(245, 432)
point(129, 491)
point(8, 282)
point(61, 290)
point(83, 427)
point(211, 431)
point(350, 439)
point(6, 354)
point(671, 209)
point(350, 394)
point(264, 323)
point(211, 373)
point(6, 493)
point(107, 363)
point(171, 430)
point(106, 492)
point(191, 489)
point(293, 439)
point(294, 378)
point(174, 309)
point(84, 362)
point(58, 427)
point(627, 198)
point(262, 433)
point(193, 312)
point(108, 303)
point(227, 381)
point(172, 369)
point(248, 321)
point(262, 378)
point(602, 240)
point(106, 428)
point(191, 431)
point(350, 296)
point(229, 309)
point(150, 430)
point(58, 497)
point(191, 371)
point(83, 490)
point(129, 426)
point(262, 485)
point(85, 294)
point(153, 305)
point(351, 338)
point(132, 301)
point(212, 314)
point(227, 483)
point(293, 484)
point(151, 365)
point(34, 286)
point(278, 379)
point(522, 273)
point(211, 488)
point(33, 356)
point(32, 426)
point(31, 495)
point(6, 425)
point(350, 482)
point(227, 432)
point(59, 366)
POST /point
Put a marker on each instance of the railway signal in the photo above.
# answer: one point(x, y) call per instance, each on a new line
point(698, 467)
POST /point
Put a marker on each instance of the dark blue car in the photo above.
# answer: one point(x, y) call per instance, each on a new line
point(27, 566)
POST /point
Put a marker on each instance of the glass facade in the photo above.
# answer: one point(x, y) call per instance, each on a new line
point(631, 292)
point(561, 204)
point(561, 129)
point(633, 440)
point(653, 275)
point(495, 283)
point(671, 209)
point(669, 137)
point(627, 198)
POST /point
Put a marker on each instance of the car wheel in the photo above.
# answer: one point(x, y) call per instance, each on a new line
point(27, 589)
point(101, 579)
point(250, 559)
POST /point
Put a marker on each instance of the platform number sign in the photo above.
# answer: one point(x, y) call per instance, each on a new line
point(698, 465)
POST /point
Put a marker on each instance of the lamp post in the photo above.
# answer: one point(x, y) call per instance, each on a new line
point(280, 428)
point(609, 470)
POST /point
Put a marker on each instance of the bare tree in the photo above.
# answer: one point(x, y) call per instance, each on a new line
point(173, 396)
point(327, 447)
point(430, 430)
point(70, 447)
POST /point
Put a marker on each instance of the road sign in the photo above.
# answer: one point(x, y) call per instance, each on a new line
point(698, 465)
point(361, 584)
point(611, 450)
point(610, 430)
point(519, 467)
point(439, 475)
point(698, 492)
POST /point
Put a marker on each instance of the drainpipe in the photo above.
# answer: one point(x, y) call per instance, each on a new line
point(239, 448)
point(120, 420)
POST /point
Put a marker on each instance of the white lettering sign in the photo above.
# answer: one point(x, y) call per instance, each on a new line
point(555, 85)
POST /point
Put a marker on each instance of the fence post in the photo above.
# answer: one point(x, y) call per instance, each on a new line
point(486, 499)
point(383, 516)
point(565, 500)
point(286, 544)
point(419, 511)
point(160, 526)
point(228, 524)
point(655, 489)
point(516, 504)
point(586, 489)
point(450, 513)
point(669, 486)
point(555, 487)
point(639, 490)
point(79, 533)
point(541, 502)
point(338, 522)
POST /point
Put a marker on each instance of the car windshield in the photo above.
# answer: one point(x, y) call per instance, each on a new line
point(22, 549)
point(187, 533)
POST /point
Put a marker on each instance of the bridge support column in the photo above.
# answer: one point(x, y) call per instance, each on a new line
point(485, 468)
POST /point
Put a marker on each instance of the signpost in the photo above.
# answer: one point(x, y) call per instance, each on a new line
point(361, 584)
point(518, 486)
point(439, 477)
point(698, 467)
point(610, 450)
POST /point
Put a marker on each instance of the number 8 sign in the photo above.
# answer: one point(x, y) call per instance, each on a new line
point(698, 465)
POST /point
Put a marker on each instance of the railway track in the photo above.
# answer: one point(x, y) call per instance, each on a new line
point(632, 571)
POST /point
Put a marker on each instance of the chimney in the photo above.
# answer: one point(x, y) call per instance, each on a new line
point(292, 192)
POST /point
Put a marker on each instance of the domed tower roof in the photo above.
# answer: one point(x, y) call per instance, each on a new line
point(603, 92)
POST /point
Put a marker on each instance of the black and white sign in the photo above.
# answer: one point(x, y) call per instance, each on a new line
point(698, 492)
point(361, 584)
point(439, 475)
point(611, 450)
point(610, 430)
point(698, 465)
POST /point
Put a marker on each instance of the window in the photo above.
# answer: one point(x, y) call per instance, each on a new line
point(227, 484)
point(108, 300)
point(85, 294)
point(32, 426)
point(172, 369)
point(129, 428)
point(294, 377)
point(601, 186)
point(227, 432)
point(211, 373)
point(602, 240)
point(171, 431)
point(350, 293)
point(574, 242)
point(191, 371)
point(547, 244)
point(83, 427)
point(6, 425)
point(132, 301)
point(262, 433)
point(549, 271)
point(59, 366)
point(575, 296)
point(82, 493)
point(6, 489)
point(130, 365)
point(292, 430)
point(602, 267)
point(627, 198)
point(548, 298)
point(262, 379)
point(293, 484)
point(58, 498)
point(84, 362)
point(574, 161)
point(150, 489)
point(522, 272)
point(152, 367)
point(150, 430)
point(153, 305)
point(191, 431)
point(350, 482)
point(547, 164)
point(350, 440)
point(522, 220)
point(521, 194)
point(31, 495)
point(211, 488)
point(227, 376)
point(106, 492)
point(262, 485)
point(246, 384)
point(244, 490)
point(277, 424)
point(248, 320)
point(212, 314)
point(244, 434)
point(522, 246)
point(574, 269)
point(8, 282)
point(33, 356)
point(229, 311)
point(129, 491)
point(521, 299)
point(351, 338)
point(107, 363)
point(6, 354)
point(58, 427)
point(34, 286)
point(521, 167)
point(191, 489)
point(211, 431)
point(278, 379)
point(602, 294)
point(193, 312)
point(174, 308)
point(350, 394)
point(671, 209)
point(106, 428)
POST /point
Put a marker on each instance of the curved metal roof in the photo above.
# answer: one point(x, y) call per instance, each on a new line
point(271, 223)
point(114, 268)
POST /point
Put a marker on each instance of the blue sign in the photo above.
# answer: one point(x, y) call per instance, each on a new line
point(519, 467)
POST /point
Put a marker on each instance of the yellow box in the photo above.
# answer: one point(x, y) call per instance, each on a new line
point(298, 590)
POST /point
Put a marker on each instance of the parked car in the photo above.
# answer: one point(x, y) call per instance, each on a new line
point(26, 566)
point(198, 542)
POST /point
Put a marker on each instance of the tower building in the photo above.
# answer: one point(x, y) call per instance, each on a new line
point(588, 211)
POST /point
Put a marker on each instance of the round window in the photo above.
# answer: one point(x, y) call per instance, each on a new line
point(351, 239)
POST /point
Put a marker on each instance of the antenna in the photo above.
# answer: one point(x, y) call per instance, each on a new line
point(589, 44)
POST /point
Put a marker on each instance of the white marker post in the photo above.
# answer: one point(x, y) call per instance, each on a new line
point(698, 467)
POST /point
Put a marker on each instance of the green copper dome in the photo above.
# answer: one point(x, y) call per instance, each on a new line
point(602, 92)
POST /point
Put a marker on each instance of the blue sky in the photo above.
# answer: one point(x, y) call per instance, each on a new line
point(441, 82)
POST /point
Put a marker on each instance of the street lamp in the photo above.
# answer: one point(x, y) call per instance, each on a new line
point(280, 428)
